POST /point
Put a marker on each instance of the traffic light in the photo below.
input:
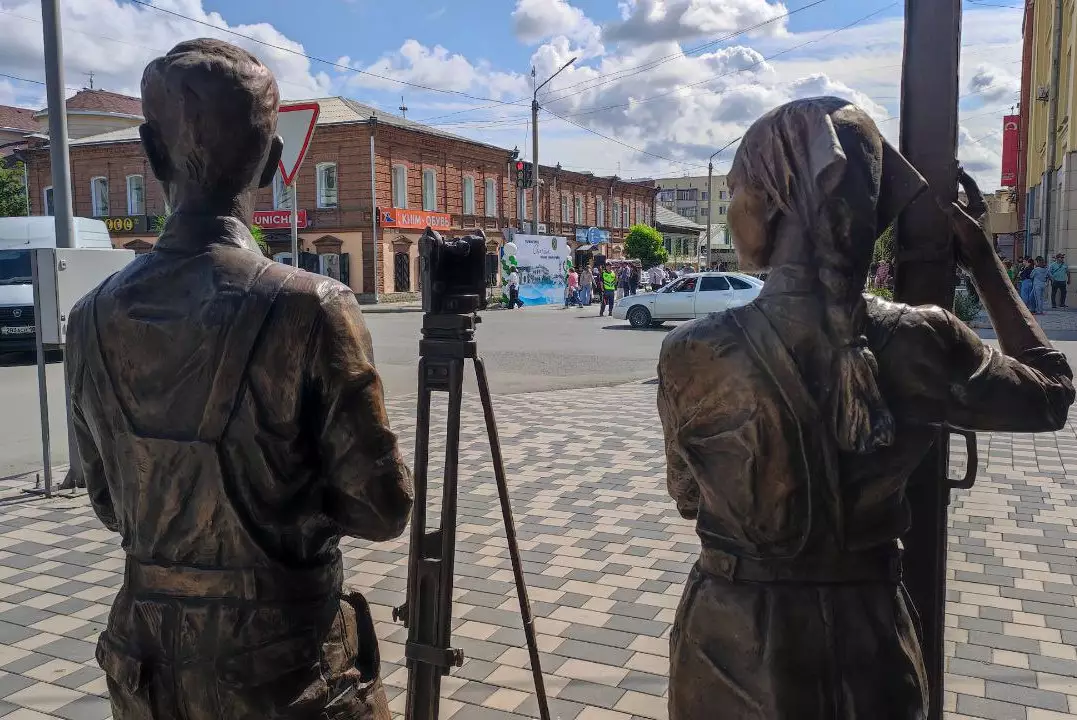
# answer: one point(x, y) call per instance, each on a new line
point(525, 176)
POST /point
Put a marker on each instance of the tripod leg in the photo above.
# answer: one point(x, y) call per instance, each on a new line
point(428, 612)
point(510, 537)
point(417, 613)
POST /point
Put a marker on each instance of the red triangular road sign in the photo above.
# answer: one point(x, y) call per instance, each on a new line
point(295, 124)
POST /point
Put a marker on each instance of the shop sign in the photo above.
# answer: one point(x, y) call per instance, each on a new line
point(414, 219)
point(126, 223)
point(278, 219)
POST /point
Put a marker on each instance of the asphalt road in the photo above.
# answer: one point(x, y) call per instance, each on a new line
point(527, 350)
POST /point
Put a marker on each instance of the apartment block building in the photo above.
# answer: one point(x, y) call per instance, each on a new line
point(359, 226)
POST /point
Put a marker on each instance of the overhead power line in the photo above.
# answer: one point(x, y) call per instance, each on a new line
point(317, 59)
point(650, 64)
point(621, 142)
point(786, 51)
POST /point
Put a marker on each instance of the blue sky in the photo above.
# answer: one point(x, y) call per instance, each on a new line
point(639, 101)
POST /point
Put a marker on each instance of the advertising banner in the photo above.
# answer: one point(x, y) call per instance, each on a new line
point(592, 236)
point(542, 261)
point(1011, 140)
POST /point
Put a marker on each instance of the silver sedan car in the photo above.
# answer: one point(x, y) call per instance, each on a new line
point(688, 297)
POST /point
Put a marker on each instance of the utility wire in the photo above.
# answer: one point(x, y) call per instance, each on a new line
point(620, 142)
point(737, 71)
point(314, 58)
point(650, 64)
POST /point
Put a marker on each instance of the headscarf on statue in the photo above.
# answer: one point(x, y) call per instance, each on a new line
point(823, 163)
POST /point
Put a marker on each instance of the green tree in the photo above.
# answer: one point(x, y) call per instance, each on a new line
point(884, 246)
point(260, 238)
point(644, 243)
point(12, 192)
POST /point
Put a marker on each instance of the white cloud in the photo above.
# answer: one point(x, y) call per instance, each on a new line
point(433, 67)
point(994, 84)
point(647, 21)
point(115, 41)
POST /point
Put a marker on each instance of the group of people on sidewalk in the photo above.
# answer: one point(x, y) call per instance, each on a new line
point(1033, 277)
point(602, 281)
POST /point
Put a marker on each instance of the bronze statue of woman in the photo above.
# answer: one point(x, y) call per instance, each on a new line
point(793, 424)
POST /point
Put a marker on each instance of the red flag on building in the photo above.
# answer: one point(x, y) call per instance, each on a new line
point(1011, 125)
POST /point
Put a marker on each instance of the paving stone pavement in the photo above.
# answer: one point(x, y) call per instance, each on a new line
point(606, 555)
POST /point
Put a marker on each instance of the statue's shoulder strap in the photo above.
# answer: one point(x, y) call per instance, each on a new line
point(242, 338)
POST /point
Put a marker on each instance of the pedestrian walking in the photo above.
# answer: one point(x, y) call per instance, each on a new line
point(633, 280)
point(882, 274)
point(657, 277)
point(1024, 282)
point(609, 289)
point(572, 296)
point(586, 280)
point(514, 290)
point(1040, 280)
point(1060, 278)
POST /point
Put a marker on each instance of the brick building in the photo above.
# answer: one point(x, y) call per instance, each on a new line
point(421, 176)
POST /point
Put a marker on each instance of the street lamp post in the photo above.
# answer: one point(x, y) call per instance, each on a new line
point(534, 146)
point(710, 196)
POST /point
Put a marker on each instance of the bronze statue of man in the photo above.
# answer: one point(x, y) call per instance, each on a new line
point(793, 424)
point(231, 428)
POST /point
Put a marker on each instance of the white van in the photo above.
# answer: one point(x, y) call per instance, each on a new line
point(19, 235)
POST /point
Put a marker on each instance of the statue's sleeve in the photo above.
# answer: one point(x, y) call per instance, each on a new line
point(679, 479)
point(90, 465)
point(368, 488)
point(947, 374)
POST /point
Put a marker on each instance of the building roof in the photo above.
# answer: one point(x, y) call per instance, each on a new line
point(16, 118)
point(332, 111)
point(671, 221)
point(102, 101)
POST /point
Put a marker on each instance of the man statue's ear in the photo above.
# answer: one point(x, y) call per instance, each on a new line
point(276, 146)
point(155, 153)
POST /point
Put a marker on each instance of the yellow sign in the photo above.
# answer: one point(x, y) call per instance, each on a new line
point(125, 223)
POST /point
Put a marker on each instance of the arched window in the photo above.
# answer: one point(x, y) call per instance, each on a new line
point(401, 272)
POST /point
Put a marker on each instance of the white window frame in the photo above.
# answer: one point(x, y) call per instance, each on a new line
point(131, 208)
point(430, 190)
point(467, 198)
point(625, 210)
point(616, 213)
point(600, 212)
point(490, 196)
point(282, 195)
point(564, 209)
point(322, 200)
point(400, 186)
point(45, 201)
point(93, 197)
point(580, 209)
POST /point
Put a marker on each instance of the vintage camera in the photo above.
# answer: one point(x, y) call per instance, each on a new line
point(453, 272)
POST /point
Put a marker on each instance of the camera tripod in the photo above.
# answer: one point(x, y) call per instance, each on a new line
point(448, 341)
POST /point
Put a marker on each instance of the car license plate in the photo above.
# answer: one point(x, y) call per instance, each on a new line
point(17, 330)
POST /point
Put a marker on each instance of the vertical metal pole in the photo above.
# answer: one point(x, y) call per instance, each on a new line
point(295, 227)
point(42, 382)
point(925, 275)
point(1049, 175)
point(710, 207)
point(54, 90)
point(535, 165)
point(26, 185)
point(373, 207)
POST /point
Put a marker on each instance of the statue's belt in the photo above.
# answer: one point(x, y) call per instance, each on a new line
point(882, 565)
point(261, 585)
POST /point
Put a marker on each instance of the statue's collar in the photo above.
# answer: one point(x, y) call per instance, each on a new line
point(792, 280)
point(186, 232)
